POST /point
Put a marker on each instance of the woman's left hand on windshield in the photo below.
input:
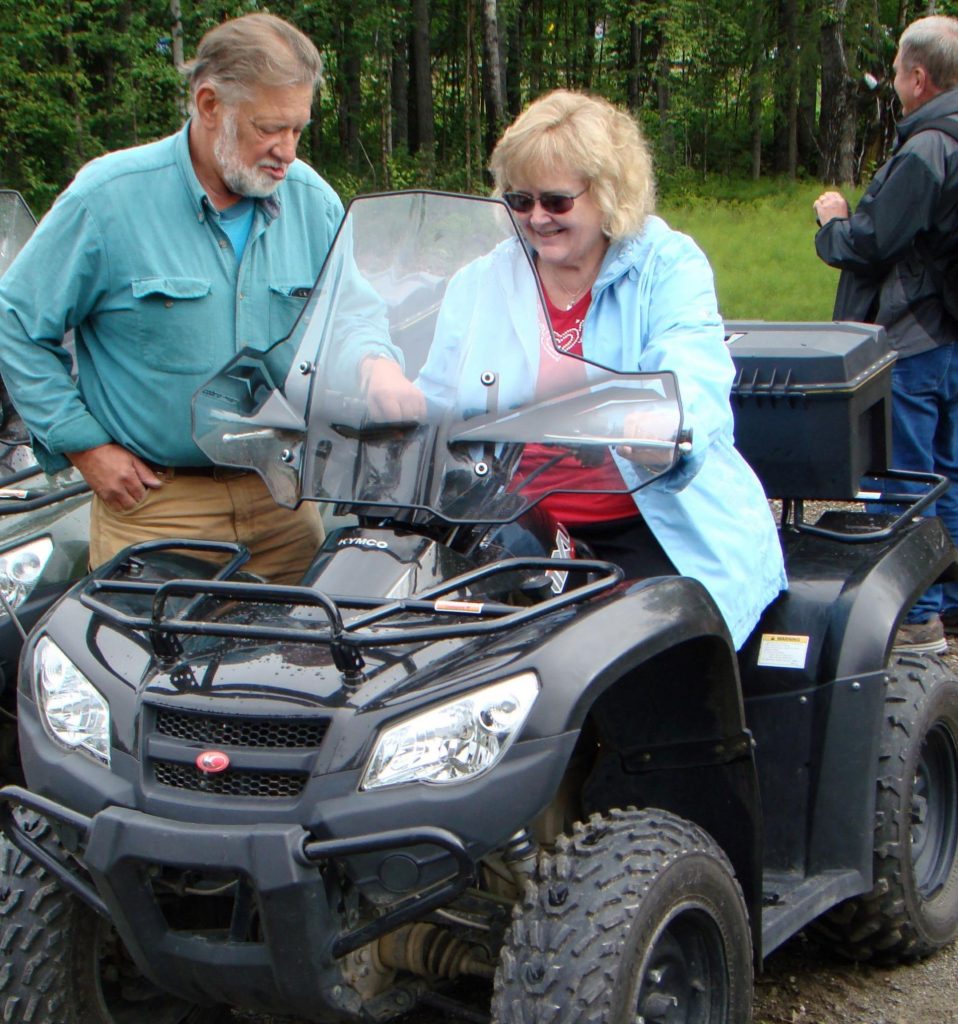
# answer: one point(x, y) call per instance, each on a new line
point(655, 439)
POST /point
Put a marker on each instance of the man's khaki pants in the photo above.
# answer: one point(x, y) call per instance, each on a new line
point(226, 505)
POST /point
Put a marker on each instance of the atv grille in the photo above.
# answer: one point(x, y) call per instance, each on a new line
point(268, 785)
point(230, 731)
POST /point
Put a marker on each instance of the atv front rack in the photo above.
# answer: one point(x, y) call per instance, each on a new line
point(369, 627)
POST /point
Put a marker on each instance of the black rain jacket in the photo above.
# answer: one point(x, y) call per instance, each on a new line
point(895, 251)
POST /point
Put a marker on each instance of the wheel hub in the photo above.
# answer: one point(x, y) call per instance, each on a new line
point(934, 812)
point(684, 981)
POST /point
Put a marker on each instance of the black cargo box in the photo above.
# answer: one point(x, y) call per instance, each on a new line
point(812, 404)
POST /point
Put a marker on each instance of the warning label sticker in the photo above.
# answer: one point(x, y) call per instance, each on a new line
point(779, 650)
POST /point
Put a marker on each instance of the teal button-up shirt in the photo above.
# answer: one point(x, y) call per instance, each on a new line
point(133, 258)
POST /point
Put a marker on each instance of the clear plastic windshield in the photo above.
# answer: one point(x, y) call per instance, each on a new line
point(16, 226)
point(424, 374)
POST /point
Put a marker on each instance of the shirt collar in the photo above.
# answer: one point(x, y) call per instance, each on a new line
point(271, 206)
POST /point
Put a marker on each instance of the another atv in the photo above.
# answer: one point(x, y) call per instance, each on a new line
point(44, 520)
point(464, 764)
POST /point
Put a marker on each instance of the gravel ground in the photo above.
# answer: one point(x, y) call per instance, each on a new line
point(802, 986)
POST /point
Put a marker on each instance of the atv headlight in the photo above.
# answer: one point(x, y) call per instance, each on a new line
point(456, 740)
point(21, 567)
point(73, 710)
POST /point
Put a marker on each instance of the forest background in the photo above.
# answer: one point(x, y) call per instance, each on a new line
point(772, 92)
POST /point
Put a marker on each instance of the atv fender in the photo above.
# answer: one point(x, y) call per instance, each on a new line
point(650, 678)
point(845, 602)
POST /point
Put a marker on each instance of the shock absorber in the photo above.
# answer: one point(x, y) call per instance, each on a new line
point(431, 951)
point(519, 855)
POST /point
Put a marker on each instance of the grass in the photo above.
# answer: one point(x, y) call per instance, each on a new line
point(760, 240)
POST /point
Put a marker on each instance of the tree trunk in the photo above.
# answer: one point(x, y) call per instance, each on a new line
point(786, 89)
point(176, 17)
point(808, 150)
point(756, 85)
point(537, 49)
point(791, 87)
point(421, 66)
point(467, 94)
point(350, 86)
point(633, 71)
point(515, 37)
point(664, 100)
point(399, 90)
point(491, 80)
point(837, 121)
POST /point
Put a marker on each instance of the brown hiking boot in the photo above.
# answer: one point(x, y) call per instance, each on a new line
point(921, 637)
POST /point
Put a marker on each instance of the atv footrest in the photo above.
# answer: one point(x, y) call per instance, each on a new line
point(792, 900)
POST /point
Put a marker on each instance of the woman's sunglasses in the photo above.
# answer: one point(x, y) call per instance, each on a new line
point(551, 202)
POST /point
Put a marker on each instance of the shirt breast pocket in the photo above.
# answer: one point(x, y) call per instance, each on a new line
point(175, 324)
point(286, 302)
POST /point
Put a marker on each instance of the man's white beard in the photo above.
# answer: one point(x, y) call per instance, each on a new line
point(240, 178)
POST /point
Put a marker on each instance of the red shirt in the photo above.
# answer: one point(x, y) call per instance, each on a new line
point(557, 374)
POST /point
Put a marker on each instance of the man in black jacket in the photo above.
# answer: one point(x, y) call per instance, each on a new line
point(897, 253)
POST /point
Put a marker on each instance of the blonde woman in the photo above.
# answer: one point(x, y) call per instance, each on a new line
point(625, 292)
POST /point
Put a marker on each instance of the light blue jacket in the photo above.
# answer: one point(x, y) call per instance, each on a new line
point(653, 308)
point(132, 256)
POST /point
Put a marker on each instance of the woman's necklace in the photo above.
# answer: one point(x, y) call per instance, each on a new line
point(575, 296)
point(568, 297)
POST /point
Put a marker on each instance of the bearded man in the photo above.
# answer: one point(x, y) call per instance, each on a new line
point(167, 259)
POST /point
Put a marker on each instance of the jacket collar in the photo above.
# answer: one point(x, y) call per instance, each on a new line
point(626, 253)
point(621, 256)
point(943, 105)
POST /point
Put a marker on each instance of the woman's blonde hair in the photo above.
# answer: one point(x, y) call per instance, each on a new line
point(587, 136)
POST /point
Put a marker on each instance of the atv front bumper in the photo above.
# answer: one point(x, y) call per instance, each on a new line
point(293, 968)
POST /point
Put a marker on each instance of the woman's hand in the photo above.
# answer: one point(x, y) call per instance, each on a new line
point(391, 398)
point(656, 431)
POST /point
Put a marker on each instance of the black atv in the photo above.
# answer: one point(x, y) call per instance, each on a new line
point(44, 520)
point(463, 764)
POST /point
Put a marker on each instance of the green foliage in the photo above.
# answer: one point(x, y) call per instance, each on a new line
point(77, 79)
point(759, 238)
point(81, 77)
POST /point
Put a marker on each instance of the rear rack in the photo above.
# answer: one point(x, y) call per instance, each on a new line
point(344, 639)
point(793, 510)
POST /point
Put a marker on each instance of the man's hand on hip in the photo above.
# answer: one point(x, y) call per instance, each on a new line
point(115, 475)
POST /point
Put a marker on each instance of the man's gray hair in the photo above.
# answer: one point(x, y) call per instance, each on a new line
point(255, 50)
point(933, 43)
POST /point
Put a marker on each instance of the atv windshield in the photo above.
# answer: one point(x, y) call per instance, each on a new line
point(16, 226)
point(488, 415)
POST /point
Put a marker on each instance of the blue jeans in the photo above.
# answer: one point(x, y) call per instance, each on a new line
point(925, 438)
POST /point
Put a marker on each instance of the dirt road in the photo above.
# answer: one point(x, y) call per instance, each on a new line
point(802, 986)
